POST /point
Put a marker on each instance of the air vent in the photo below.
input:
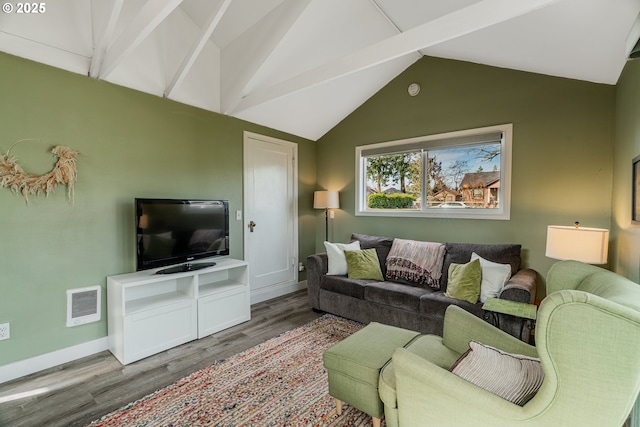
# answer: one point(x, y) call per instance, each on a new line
point(83, 305)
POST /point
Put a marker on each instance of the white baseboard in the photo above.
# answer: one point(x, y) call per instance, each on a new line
point(45, 361)
point(274, 291)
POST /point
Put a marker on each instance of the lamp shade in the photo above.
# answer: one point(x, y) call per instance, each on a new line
point(590, 245)
point(326, 200)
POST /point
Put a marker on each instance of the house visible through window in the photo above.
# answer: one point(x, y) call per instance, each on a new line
point(463, 174)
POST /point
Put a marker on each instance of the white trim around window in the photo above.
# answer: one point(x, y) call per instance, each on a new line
point(440, 143)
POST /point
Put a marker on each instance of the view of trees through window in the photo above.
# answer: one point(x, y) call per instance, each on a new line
point(449, 177)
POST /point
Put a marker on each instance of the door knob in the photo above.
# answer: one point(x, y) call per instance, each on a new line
point(251, 226)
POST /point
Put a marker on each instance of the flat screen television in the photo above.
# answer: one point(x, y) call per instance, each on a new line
point(174, 231)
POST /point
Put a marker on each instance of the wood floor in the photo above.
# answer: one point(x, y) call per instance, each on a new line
point(79, 392)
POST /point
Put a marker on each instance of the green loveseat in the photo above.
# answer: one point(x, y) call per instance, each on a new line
point(588, 341)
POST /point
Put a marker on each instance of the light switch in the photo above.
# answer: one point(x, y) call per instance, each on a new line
point(238, 215)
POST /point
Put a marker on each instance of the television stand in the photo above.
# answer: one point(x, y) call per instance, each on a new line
point(186, 267)
point(150, 313)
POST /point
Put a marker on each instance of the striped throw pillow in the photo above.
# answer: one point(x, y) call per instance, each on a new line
point(514, 377)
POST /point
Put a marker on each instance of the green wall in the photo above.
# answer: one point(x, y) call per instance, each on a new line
point(625, 234)
point(132, 145)
point(135, 145)
point(562, 151)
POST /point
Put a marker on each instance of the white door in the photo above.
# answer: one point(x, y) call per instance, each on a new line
point(270, 216)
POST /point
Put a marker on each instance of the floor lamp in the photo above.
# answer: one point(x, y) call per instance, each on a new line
point(326, 200)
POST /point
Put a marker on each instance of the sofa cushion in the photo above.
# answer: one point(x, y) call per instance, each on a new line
point(464, 281)
point(335, 254)
point(396, 295)
point(460, 253)
point(435, 304)
point(382, 245)
point(514, 377)
point(342, 285)
point(363, 264)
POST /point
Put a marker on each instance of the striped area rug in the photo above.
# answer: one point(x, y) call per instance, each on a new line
point(278, 383)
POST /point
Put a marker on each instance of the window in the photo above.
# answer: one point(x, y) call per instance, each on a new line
point(465, 174)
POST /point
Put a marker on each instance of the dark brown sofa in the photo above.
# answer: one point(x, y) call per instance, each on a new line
point(408, 306)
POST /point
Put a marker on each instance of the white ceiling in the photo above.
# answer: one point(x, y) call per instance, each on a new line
point(301, 66)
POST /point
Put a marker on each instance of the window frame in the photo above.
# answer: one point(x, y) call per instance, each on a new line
point(503, 212)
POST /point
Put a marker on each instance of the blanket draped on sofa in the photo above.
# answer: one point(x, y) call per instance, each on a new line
point(416, 262)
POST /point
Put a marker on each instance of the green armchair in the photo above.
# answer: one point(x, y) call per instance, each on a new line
point(588, 342)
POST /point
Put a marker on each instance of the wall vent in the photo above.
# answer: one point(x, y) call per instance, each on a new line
point(83, 305)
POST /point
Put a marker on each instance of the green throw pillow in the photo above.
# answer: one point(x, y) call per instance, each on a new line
point(363, 264)
point(464, 281)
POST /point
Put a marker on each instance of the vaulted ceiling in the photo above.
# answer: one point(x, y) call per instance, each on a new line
point(301, 66)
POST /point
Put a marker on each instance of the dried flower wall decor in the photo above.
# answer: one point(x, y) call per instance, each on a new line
point(15, 178)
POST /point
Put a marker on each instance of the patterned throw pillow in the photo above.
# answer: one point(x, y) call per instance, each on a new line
point(513, 377)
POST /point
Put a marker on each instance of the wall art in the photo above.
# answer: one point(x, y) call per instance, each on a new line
point(12, 175)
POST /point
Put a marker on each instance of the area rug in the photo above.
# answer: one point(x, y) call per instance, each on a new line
point(281, 382)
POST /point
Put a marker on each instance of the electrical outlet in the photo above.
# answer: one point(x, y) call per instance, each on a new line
point(4, 331)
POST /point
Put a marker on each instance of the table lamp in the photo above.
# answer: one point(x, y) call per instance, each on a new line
point(588, 245)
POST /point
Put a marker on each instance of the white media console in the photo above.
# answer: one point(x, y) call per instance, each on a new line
point(150, 313)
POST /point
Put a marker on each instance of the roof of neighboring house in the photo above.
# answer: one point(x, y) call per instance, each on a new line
point(448, 190)
point(391, 190)
point(480, 179)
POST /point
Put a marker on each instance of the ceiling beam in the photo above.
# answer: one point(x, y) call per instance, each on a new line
point(104, 39)
point(244, 56)
point(197, 47)
point(478, 16)
point(148, 18)
point(395, 27)
point(633, 37)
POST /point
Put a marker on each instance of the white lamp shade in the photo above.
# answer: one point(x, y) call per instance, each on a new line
point(326, 200)
point(590, 245)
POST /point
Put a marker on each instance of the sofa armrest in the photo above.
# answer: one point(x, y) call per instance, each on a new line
point(317, 266)
point(521, 287)
point(460, 327)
